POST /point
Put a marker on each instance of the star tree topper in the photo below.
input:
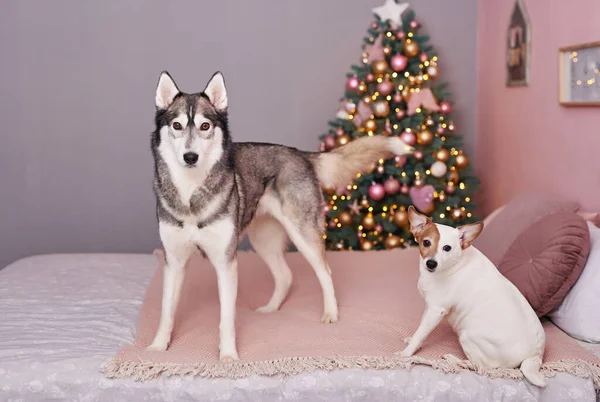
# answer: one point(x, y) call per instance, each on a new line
point(392, 11)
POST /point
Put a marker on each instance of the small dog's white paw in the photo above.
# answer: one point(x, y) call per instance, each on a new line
point(229, 357)
point(405, 353)
point(329, 317)
point(407, 339)
point(267, 309)
point(157, 347)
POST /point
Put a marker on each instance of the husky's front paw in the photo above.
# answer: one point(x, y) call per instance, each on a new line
point(229, 357)
point(157, 347)
point(407, 339)
point(405, 353)
point(329, 317)
point(267, 309)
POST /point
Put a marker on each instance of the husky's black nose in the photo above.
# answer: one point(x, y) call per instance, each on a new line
point(431, 264)
point(190, 158)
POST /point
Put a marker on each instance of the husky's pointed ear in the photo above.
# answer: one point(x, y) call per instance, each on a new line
point(468, 233)
point(166, 91)
point(216, 92)
point(417, 221)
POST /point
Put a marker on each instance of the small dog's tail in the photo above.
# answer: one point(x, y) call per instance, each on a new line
point(531, 370)
point(340, 166)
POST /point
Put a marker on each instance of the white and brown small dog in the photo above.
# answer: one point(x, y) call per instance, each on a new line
point(495, 324)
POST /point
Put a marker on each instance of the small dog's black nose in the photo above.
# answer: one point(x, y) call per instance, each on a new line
point(431, 264)
point(190, 158)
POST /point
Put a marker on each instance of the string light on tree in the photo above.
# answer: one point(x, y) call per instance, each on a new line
point(394, 91)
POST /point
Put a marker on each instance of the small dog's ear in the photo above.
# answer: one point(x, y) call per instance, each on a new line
point(216, 92)
point(166, 91)
point(468, 233)
point(417, 221)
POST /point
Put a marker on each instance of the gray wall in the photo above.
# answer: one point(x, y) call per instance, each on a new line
point(77, 86)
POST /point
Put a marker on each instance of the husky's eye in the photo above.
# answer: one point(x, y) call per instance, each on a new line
point(426, 243)
point(177, 126)
point(447, 248)
point(204, 126)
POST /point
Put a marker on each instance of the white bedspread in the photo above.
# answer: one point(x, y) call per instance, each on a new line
point(64, 315)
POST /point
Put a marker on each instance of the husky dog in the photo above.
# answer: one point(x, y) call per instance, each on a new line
point(210, 190)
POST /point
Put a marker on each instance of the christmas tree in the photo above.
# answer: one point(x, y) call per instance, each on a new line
point(394, 92)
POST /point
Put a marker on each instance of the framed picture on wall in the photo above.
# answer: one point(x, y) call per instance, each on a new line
point(579, 75)
point(517, 46)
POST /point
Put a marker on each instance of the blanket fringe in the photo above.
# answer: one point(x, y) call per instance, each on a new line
point(145, 370)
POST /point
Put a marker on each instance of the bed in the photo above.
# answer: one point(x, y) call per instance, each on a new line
point(64, 315)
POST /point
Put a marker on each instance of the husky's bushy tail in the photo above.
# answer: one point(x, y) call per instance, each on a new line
point(340, 166)
point(531, 370)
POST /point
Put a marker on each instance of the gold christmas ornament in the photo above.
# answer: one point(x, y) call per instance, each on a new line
point(419, 182)
point(370, 125)
point(342, 140)
point(458, 214)
point(380, 67)
point(442, 155)
point(362, 88)
point(429, 121)
point(419, 79)
point(432, 71)
point(401, 218)
point(339, 245)
point(364, 202)
point(442, 197)
point(367, 99)
point(411, 49)
point(393, 242)
point(381, 108)
point(387, 50)
point(345, 218)
point(405, 94)
point(380, 169)
point(366, 245)
point(453, 177)
point(451, 126)
point(368, 222)
point(461, 161)
point(425, 137)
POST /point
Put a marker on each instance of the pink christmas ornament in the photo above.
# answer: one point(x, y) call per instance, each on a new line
point(352, 84)
point(397, 97)
point(354, 207)
point(391, 186)
point(385, 87)
point(370, 77)
point(376, 192)
point(401, 35)
point(398, 62)
point(418, 154)
point(363, 112)
point(440, 130)
point(413, 24)
point(339, 131)
point(404, 189)
point(332, 224)
point(326, 208)
point(445, 107)
point(379, 228)
point(400, 114)
point(408, 138)
point(423, 57)
point(322, 147)
point(422, 99)
point(422, 198)
point(359, 234)
point(450, 189)
point(375, 51)
point(329, 142)
point(373, 25)
point(400, 160)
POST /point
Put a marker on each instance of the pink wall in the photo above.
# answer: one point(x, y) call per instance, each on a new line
point(525, 138)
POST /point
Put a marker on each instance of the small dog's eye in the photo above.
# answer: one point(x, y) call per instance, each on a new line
point(447, 248)
point(177, 126)
point(204, 126)
point(426, 243)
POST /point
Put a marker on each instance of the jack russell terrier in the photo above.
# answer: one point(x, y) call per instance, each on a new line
point(495, 324)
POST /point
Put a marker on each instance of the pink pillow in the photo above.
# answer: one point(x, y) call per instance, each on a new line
point(546, 259)
point(520, 213)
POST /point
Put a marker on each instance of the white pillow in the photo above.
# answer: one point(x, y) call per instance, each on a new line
point(579, 313)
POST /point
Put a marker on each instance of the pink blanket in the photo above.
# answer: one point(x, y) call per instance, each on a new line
point(379, 306)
